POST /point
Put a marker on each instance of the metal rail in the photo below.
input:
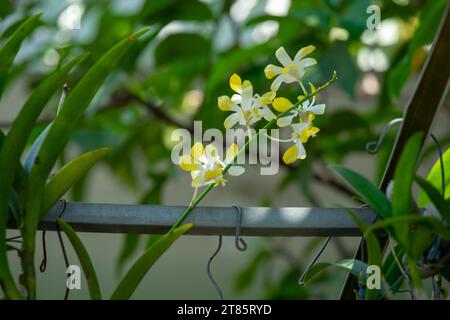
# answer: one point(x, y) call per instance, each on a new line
point(157, 219)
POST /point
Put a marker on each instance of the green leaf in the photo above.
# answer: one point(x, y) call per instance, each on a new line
point(405, 172)
point(391, 270)
point(130, 245)
point(433, 223)
point(355, 267)
point(83, 257)
point(372, 244)
point(60, 129)
point(374, 256)
point(69, 174)
point(17, 137)
point(74, 106)
point(435, 178)
point(11, 47)
point(404, 176)
point(366, 190)
point(137, 272)
point(436, 198)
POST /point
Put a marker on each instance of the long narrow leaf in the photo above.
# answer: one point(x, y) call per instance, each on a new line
point(436, 198)
point(355, 267)
point(74, 106)
point(137, 272)
point(15, 141)
point(83, 257)
point(69, 174)
point(433, 223)
point(404, 176)
point(9, 50)
point(435, 178)
point(373, 250)
point(369, 192)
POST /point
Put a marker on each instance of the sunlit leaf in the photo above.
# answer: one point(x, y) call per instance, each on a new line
point(69, 174)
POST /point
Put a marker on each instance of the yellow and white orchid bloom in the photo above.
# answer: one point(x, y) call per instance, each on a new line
point(247, 108)
point(205, 165)
point(302, 111)
point(301, 132)
point(291, 70)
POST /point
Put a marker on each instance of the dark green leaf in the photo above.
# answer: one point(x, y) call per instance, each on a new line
point(366, 190)
point(11, 47)
point(137, 272)
point(83, 257)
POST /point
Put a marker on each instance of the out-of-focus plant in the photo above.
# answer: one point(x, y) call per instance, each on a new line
point(28, 191)
point(421, 236)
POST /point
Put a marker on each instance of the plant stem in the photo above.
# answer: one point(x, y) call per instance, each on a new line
point(245, 147)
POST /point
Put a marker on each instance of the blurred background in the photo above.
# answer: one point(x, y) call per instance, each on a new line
point(174, 76)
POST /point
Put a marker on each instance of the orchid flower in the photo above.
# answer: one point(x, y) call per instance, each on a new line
point(301, 132)
point(291, 70)
point(206, 166)
point(247, 108)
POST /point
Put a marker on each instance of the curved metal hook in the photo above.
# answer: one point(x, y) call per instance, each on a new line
point(374, 146)
point(240, 243)
point(313, 261)
point(208, 269)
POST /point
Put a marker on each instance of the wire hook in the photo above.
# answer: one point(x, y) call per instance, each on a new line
point(374, 146)
point(209, 272)
point(240, 243)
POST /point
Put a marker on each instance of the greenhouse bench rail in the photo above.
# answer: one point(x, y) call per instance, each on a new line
point(256, 221)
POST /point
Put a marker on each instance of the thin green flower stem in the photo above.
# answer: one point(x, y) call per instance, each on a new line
point(276, 139)
point(194, 196)
point(303, 88)
point(247, 144)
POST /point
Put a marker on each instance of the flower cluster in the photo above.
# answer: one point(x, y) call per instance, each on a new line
point(247, 108)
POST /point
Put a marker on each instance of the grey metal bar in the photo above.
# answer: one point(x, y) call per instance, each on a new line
point(256, 221)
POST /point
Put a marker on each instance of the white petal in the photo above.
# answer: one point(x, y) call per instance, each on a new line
point(283, 57)
point(301, 150)
point(317, 109)
point(285, 121)
point(307, 62)
point(236, 170)
point(267, 114)
point(231, 120)
point(279, 80)
point(299, 127)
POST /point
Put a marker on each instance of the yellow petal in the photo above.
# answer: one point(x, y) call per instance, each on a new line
point(236, 83)
point(303, 52)
point(197, 150)
point(212, 174)
point(267, 98)
point(225, 103)
point(290, 155)
point(187, 163)
point(313, 88)
point(271, 71)
point(304, 135)
point(231, 153)
point(281, 104)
